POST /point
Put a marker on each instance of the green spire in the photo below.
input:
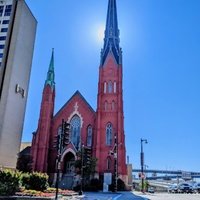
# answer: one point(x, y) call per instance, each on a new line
point(50, 73)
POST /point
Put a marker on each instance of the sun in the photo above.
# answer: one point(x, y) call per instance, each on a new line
point(100, 33)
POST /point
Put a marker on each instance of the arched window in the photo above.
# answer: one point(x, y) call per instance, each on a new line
point(75, 130)
point(110, 87)
point(105, 87)
point(109, 134)
point(106, 106)
point(89, 136)
point(109, 163)
point(113, 105)
point(115, 87)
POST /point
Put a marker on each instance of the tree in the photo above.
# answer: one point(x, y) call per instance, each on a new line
point(86, 163)
point(24, 161)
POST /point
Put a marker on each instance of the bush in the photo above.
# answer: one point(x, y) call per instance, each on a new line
point(25, 180)
point(35, 181)
point(9, 182)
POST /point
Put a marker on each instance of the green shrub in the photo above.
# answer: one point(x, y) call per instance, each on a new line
point(9, 182)
point(35, 181)
point(25, 180)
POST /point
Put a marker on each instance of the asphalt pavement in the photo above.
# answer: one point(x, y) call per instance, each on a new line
point(107, 196)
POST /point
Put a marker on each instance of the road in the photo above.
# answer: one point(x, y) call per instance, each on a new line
point(106, 196)
point(166, 196)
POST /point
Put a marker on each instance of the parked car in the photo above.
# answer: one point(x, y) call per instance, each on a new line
point(196, 188)
point(185, 188)
point(173, 188)
point(151, 190)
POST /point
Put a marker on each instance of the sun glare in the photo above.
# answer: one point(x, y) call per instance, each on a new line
point(100, 33)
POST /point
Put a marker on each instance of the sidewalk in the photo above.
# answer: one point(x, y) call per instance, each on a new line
point(141, 194)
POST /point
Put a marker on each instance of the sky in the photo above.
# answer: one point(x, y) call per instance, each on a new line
point(160, 40)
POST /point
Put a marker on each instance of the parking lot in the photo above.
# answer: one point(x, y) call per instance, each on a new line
point(167, 196)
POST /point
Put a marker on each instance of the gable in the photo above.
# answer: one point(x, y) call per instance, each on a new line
point(77, 103)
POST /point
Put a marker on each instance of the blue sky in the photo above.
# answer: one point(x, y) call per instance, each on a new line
point(160, 40)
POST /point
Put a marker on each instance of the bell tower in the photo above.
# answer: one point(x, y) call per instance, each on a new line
point(110, 115)
point(40, 142)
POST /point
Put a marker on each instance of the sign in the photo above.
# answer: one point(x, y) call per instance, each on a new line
point(142, 175)
point(108, 178)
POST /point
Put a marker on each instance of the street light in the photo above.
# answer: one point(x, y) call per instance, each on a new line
point(142, 161)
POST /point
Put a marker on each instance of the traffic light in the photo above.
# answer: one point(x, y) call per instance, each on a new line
point(66, 131)
point(57, 142)
point(87, 155)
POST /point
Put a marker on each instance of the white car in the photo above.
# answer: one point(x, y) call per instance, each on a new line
point(196, 187)
point(173, 188)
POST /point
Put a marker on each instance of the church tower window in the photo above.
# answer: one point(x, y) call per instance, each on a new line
point(110, 87)
point(75, 130)
point(106, 106)
point(89, 136)
point(109, 134)
point(113, 105)
point(105, 87)
point(115, 87)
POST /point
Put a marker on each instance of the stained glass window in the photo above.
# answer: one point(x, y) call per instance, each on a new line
point(110, 87)
point(109, 134)
point(75, 130)
point(89, 136)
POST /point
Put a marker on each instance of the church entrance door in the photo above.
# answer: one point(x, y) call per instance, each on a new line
point(67, 181)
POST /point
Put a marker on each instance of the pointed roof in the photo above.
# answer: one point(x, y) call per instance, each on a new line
point(50, 74)
point(77, 93)
point(111, 39)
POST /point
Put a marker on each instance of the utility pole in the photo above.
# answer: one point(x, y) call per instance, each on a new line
point(142, 162)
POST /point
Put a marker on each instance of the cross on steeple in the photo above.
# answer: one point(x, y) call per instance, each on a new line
point(111, 39)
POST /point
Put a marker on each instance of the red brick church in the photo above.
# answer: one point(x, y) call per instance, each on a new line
point(94, 129)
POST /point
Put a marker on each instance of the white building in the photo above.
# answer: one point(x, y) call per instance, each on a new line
point(17, 37)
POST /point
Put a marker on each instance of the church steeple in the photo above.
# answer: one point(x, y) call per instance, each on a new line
point(111, 39)
point(50, 74)
point(110, 114)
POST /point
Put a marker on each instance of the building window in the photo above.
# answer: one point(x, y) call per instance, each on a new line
point(4, 29)
point(1, 55)
point(110, 87)
point(106, 106)
point(109, 163)
point(5, 21)
point(75, 131)
point(8, 10)
point(89, 136)
point(109, 134)
point(105, 87)
point(115, 87)
point(113, 105)
point(2, 46)
point(1, 11)
point(2, 38)
point(0, 64)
